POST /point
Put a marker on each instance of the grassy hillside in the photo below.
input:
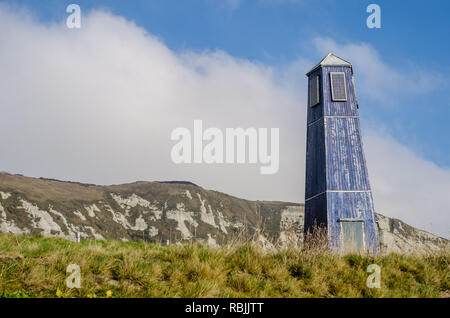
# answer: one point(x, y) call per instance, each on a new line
point(179, 212)
point(36, 267)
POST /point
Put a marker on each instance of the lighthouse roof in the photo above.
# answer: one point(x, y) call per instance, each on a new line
point(330, 60)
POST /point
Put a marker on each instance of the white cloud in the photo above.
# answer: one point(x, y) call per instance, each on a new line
point(406, 186)
point(98, 105)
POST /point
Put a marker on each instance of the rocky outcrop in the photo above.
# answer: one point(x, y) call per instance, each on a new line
point(399, 237)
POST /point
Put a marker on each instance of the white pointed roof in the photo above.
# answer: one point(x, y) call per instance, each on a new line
point(330, 60)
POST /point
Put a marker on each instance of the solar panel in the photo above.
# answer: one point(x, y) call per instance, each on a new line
point(314, 91)
point(338, 89)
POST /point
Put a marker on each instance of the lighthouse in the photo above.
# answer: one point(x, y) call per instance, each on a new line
point(338, 196)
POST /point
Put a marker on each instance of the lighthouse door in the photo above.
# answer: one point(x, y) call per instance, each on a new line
point(352, 235)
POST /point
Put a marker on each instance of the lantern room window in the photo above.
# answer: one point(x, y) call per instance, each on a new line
point(338, 87)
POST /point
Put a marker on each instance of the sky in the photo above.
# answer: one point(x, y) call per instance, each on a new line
point(98, 104)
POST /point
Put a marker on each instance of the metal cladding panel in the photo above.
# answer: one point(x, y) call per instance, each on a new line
point(316, 212)
point(315, 159)
point(346, 165)
point(316, 112)
point(351, 205)
point(331, 108)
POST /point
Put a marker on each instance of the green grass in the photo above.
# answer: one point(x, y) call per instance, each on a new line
point(36, 267)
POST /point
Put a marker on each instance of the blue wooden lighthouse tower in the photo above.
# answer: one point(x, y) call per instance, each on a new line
point(337, 193)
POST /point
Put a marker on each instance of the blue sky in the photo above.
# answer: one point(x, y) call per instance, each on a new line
point(414, 35)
